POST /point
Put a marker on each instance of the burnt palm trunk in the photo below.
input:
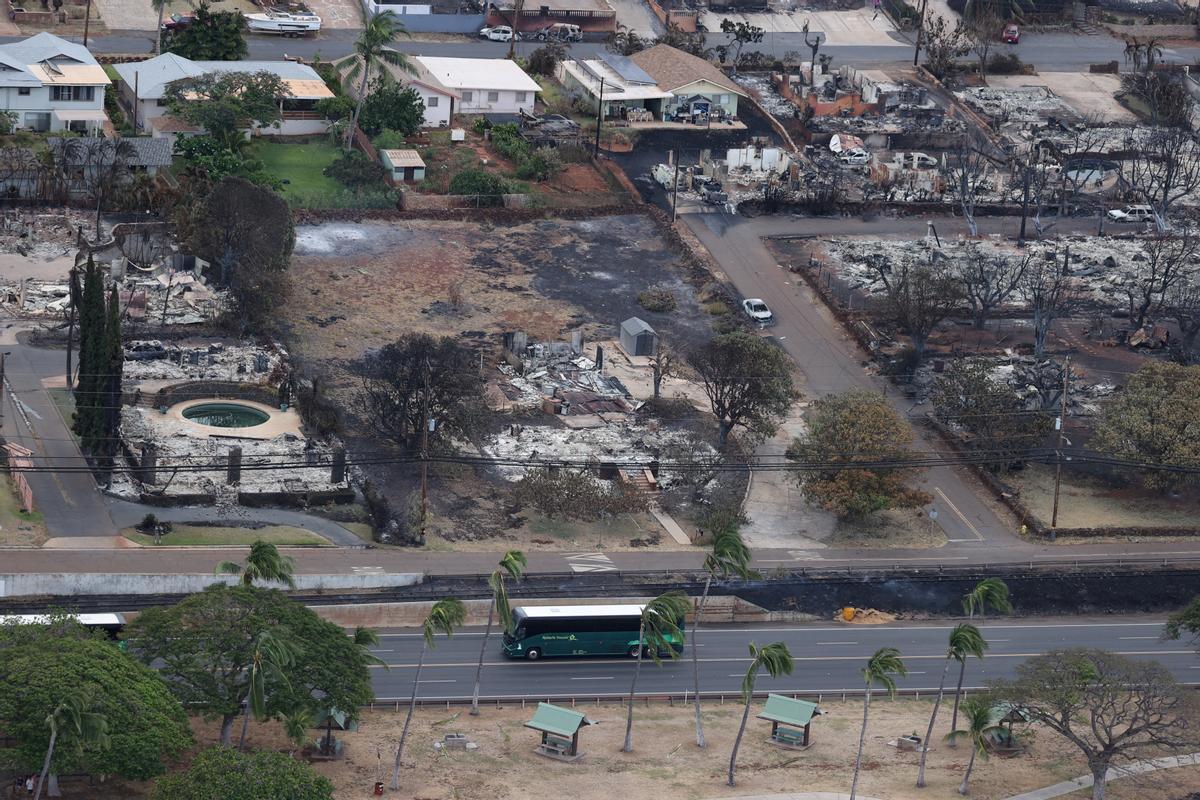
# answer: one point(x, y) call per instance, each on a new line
point(696, 661)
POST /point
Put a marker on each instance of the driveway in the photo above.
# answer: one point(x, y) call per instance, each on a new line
point(637, 17)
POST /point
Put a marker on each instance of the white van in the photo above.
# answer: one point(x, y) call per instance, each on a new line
point(1132, 214)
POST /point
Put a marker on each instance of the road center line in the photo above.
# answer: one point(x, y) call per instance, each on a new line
point(596, 678)
point(438, 680)
point(959, 514)
point(825, 643)
point(1137, 637)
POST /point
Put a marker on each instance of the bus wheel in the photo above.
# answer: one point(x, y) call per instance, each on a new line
point(635, 651)
point(533, 654)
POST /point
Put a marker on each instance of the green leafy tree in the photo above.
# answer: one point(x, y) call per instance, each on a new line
point(1113, 709)
point(205, 648)
point(61, 662)
point(512, 565)
point(692, 42)
point(273, 655)
point(989, 412)
point(487, 188)
point(357, 172)
point(880, 670)
point(965, 640)
point(226, 103)
point(980, 721)
point(90, 389)
point(776, 660)
point(1152, 420)
point(625, 41)
point(207, 154)
point(371, 52)
point(392, 106)
point(545, 60)
point(264, 563)
point(748, 382)
point(1185, 621)
point(72, 725)
point(856, 427)
point(103, 438)
point(659, 631)
point(739, 35)
point(445, 617)
point(988, 593)
point(335, 108)
point(212, 36)
point(727, 557)
point(233, 775)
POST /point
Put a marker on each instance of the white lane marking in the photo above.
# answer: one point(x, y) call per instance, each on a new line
point(873, 629)
point(959, 514)
point(596, 678)
point(999, 640)
point(824, 643)
point(590, 562)
point(886, 560)
point(915, 672)
point(438, 680)
point(383, 651)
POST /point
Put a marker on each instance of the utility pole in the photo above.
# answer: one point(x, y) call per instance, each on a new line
point(1062, 423)
point(599, 115)
point(675, 189)
point(1024, 204)
point(425, 452)
point(920, 31)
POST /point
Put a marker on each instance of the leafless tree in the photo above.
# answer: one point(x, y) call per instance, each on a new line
point(1182, 304)
point(965, 176)
point(1047, 289)
point(1112, 708)
point(1169, 261)
point(988, 280)
point(664, 364)
point(981, 31)
point(1163, 168)
point(917, 297)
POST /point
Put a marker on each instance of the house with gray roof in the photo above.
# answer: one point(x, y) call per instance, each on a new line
point(50, 84)
point(143, 86)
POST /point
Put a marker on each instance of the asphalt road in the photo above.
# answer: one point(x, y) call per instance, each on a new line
point(1048, 51)
point(829, 658)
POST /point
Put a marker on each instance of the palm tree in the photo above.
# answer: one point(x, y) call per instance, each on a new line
point(160, 6)
point(264, 563)
point(657, 633)
point(728, 556)
point(965, 640)
point(511, 566)
point(370, 51)
point(776, 660)
point(72, 721)
point(445, 616)
point(977, 713)
point(273, 655)
point(880, 669)
point(991, 592)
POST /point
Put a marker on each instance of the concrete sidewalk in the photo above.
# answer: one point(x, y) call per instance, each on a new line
point(1115, 773)
point(860, 28)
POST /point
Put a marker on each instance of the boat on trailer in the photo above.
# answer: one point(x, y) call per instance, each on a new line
point(286, 22)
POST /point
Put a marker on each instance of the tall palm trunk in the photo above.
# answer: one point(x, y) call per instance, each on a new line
point(932, 718)
point(162, 7)
point(412, 705)
point(482, 650)
point(962, 670)
point(628, 746)
point(737, 742)
point(46, 763)
point(862, 739)
point(962, 789)
point(358, 107)
point(696, 661)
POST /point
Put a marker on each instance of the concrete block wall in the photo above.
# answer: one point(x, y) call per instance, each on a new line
point(100, 583)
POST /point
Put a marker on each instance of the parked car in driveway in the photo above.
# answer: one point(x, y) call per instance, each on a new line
point(1011, 35)
point(178, 22)
point(757, 310)
point(500, 33)
point(1132, 214)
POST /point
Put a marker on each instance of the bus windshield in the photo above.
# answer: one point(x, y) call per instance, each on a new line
point(540, 631)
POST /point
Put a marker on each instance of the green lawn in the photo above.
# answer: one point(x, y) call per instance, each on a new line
point(298, 165)
point(192, 535)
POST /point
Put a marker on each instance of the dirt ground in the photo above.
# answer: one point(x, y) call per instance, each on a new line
point(665, 762)
point(1090, 503)
point(893, 528)
point(17, 528)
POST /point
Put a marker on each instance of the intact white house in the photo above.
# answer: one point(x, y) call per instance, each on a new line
point(483, 85)
point(143, 86)
point(440, 102)
point(50, 84)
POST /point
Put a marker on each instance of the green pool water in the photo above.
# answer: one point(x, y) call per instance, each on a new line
point(226, 415)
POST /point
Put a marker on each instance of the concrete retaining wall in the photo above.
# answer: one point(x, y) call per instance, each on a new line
point(101, 583)
point(442, 23)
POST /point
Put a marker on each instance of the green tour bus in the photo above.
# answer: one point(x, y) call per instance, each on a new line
point(543, 631)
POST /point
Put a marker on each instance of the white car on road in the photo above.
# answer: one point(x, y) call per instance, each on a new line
point(757, 310)
point(500, 33)
point(1132, 214)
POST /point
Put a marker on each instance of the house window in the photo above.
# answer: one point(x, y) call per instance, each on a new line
point(493, 97)
point(38, 121)
point(23, 91)
point(521, 97)
point(431, 102)
point(72, 93)
point(468, 97)
point(722, 99)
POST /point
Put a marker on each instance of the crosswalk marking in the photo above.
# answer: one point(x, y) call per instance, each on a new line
point(590, 562)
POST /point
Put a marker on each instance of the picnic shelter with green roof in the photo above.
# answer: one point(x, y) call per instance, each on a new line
point(790, 719)
point(560, 731)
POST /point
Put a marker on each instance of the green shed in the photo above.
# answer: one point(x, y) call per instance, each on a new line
point(790, 719)
point(560, 731)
